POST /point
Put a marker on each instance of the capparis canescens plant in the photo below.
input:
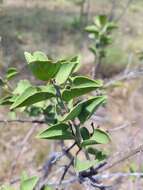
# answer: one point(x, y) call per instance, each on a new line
point(62, 103)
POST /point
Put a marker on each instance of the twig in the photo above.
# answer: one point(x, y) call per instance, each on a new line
point(121, 158)
point(97, 177)
point(22, 121)
point(22, 145)
point(68, 166)
point(54, 157)
point(124, 10)
point(136, 73)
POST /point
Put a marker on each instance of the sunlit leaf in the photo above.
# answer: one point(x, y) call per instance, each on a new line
point(33, 95)
point(84, 110)
point(81, 165)
point(29, 184)
point(99, 137)
point(58, 131)
point(81, 85)
point(66, 69)
point(11, 72)
point(41, 67)
point(21, 87)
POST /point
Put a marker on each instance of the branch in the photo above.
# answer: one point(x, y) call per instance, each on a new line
point(22, 121)
point(124, 156)
point(97, 177)
point(136, 73)
point(47, 167)
point(111, 163)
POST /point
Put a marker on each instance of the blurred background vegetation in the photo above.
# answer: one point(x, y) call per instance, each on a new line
point(57, 28)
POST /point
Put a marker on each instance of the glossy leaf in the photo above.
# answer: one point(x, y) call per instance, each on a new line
point(81, 85)
point(99, 137)
point(33, 95)
point(57, 132)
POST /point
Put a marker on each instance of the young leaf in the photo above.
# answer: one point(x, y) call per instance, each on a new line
point(99, 137)
point(91, 29)
point(29, 184)
point(81, 85)
point(12, 72)
point(33, 95)
point(84, 110)
point(57, 132)
point(100, 20)
point(84, 165)
point(37, 56)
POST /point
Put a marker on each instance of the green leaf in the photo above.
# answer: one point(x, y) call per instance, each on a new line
point(100, 20)
point(37, 56)
point(66, 69)
point(99, 155)
point(84, 165)
point(58, 132)
point(41, 67)
point(84, 133)
point(29, 184)
point(81, 85)
point(21, 87)
point(12, 72)
point(93, 49)
point(84, 110)
point(99, 137)
point(133, 167)
point(44, 70)
point(6, 100)
point(91, 29)
point(33, 95)
point(24, 176)
point(1, 82)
